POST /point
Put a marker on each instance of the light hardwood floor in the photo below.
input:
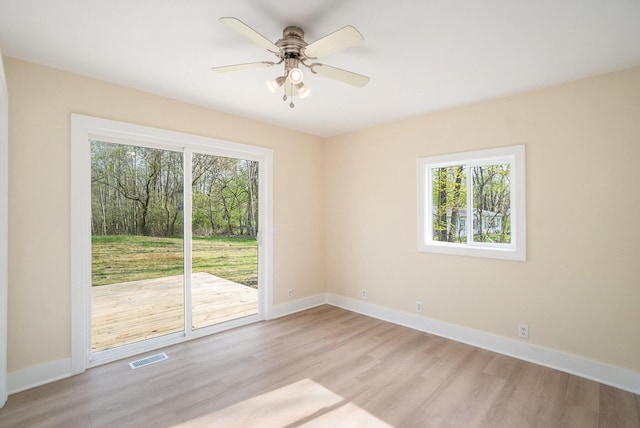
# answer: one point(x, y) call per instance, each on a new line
point(324, 367)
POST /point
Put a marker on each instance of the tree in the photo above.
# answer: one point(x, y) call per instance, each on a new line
point(252, 187)
point(454, 232)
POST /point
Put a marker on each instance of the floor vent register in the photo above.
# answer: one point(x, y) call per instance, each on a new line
point(148, 360)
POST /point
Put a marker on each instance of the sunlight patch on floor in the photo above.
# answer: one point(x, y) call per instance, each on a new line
point(303, 403)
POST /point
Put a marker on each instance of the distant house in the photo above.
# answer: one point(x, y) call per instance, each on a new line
point(491, 221)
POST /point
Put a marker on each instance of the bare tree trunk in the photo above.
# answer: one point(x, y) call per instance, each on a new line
point(479, 186)
point(455, 210)
point(227, 213)
point(252, 186)
point(442, 204)
point(103, 210)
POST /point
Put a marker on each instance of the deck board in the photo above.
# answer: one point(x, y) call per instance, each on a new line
point(123, 313)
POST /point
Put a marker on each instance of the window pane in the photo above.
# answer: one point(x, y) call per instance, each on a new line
point(491, 203)
point(137, 244)
point(225, 249)
point(449, 204)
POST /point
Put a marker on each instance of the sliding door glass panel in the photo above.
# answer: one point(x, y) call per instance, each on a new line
point(224, 280)
point(137, 244)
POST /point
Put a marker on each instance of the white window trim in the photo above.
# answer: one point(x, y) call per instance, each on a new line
point(85, 128)
point(515, 155)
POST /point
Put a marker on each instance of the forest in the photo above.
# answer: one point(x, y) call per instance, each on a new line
point(139, 191)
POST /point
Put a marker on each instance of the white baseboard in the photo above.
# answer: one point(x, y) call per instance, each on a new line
point(298, 305)
point(607, 374)
point(21, 380)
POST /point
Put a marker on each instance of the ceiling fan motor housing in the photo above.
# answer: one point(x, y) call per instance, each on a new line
point(292, 43)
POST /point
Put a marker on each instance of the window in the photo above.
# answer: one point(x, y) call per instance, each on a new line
point(473, 203)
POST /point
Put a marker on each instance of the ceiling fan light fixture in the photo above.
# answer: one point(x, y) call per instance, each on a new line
point(274, 84)
point(303, 91)
point(295, 75)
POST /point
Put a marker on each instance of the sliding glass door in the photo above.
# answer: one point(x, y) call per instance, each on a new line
point(171, 238)
point(154, 275)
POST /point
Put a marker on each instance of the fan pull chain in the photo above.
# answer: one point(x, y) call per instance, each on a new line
point(284, 97)
point(291, 104)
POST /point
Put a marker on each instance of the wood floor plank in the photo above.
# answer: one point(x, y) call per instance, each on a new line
point(617, 409)
point(324, 367)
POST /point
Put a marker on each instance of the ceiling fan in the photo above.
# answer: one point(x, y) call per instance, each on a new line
point(293, 51)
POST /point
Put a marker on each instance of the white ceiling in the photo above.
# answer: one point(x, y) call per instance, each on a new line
point(421, 55)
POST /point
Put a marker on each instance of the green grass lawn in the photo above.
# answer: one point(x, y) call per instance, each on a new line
point(121, 258)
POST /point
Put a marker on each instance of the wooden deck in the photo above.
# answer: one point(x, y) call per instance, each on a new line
point(132, 311)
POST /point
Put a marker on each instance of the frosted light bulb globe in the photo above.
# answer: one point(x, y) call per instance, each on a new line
point(295, 75)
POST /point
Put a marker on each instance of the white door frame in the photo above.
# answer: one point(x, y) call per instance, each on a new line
point(85, 128)
point(4, 228)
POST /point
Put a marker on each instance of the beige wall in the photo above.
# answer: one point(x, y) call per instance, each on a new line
point(579, 289)
point(42, 100)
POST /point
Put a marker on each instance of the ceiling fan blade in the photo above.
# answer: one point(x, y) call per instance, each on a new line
point(250, 33)
point(238, 67)
point(344, 76)
point(344, 38)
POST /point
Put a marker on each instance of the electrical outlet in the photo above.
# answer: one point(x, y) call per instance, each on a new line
point(289, 293)
point(523, 331)
point(418, 306)
point(363, 294)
